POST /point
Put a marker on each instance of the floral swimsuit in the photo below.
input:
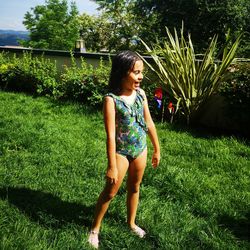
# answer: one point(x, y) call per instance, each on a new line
point(131, 129)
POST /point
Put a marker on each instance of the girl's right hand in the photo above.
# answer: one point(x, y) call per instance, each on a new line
point(112, 175)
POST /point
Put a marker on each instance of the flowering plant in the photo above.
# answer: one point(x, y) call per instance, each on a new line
point(188, 78)
point(158, 97)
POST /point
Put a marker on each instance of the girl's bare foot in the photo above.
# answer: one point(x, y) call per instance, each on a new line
point(139, 231)
point(93, 239)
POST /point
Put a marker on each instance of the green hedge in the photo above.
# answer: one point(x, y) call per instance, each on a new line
point(39, 76)
point(85, 83)
point(28, 74)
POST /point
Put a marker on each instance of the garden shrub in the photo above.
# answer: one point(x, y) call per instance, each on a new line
point(28, 74)
point(6, 71)
point(236, 91)
point(7, 66)
point(37, 75)
point(85, 84)
point(188, 81)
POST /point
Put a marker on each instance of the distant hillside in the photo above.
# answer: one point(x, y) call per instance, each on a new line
point(11, 37)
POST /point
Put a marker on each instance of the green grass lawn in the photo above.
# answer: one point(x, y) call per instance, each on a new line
point(52, 166)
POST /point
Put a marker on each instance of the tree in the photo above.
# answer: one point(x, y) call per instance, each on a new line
point(96, 32)
point(203, 19)
point(124, 26)
point(52, 26)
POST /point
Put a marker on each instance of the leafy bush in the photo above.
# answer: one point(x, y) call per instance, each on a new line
point(28, 74)
point(6, 71)
point(85, 83)
point(188, 81)
point(237, 92)
point(37, 75)
point(7, 66)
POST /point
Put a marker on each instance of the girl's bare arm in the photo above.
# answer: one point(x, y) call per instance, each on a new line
point(109, 121)
point(152, 133)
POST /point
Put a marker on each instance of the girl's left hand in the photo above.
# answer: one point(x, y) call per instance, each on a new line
point(156, 159)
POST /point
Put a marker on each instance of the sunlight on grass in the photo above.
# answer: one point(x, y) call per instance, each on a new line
point(52, 165)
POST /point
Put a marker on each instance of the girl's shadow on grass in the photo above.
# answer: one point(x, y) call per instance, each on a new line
point(240, 228)
point(47, 209)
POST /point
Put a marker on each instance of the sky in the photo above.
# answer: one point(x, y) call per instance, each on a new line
point(12, 11)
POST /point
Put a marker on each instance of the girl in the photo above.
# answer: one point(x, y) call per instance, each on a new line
point(127, 121)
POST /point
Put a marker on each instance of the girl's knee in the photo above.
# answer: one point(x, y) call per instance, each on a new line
point(108, 194)
point(134, 188)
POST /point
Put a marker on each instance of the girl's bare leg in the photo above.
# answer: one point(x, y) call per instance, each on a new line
point(109, 192)
point(135, 174)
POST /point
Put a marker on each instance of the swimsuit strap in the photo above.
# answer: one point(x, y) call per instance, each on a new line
point(133, 109)
point(139, 97)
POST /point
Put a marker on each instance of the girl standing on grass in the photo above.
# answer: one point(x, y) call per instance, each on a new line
point(127, 121)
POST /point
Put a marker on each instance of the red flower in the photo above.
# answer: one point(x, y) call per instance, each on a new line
point(158, 93)
point(171, 108)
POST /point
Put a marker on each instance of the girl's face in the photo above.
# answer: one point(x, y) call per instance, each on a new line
point(133, 79)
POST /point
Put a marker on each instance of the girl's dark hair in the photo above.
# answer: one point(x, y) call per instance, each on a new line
point(121, 64)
